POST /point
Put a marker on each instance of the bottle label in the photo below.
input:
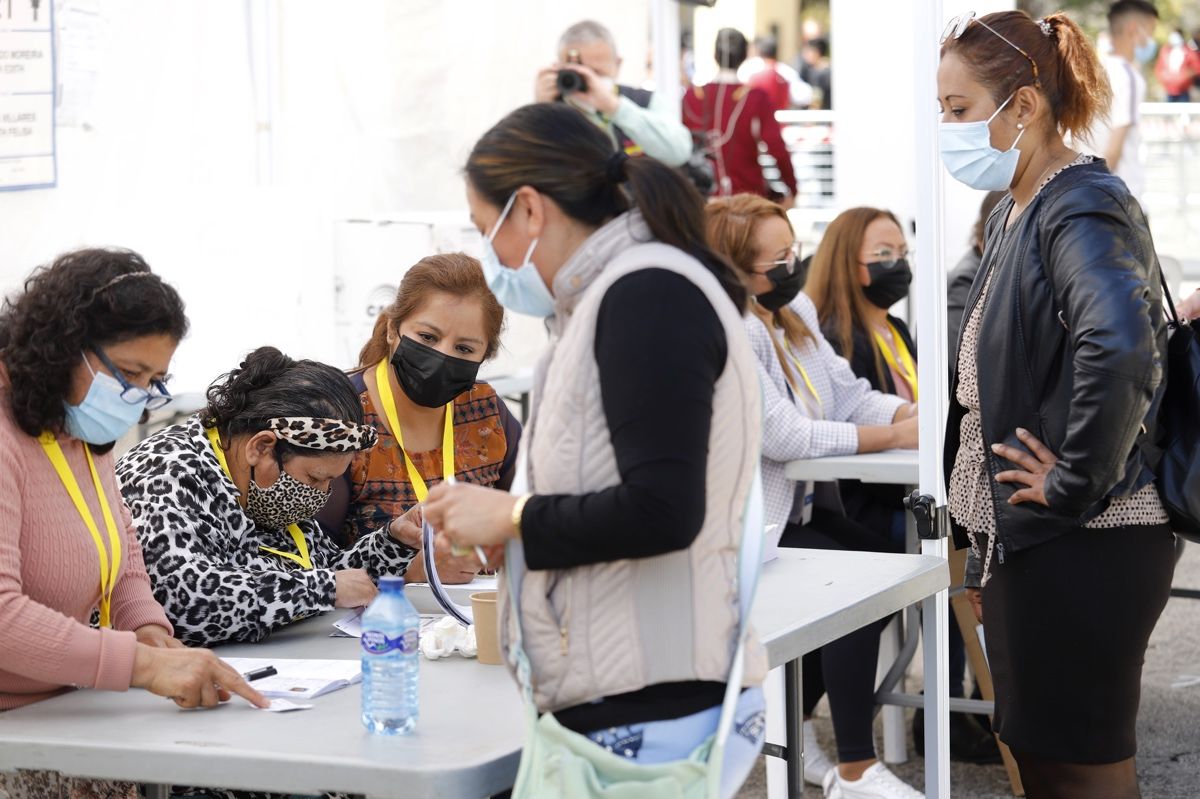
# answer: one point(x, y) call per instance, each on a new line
point(375, 642)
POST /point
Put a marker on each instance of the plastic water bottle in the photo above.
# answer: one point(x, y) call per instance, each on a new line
point(390, 661)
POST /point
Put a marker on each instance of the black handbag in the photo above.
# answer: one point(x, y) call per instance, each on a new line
point(1178, 472)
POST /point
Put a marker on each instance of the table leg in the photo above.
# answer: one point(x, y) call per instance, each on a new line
point(793, 690)
point(895, 741)
point(937, 686)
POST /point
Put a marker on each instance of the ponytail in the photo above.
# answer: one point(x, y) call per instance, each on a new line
point(1069, 72)
point(674, 212)
point(554, 149)
point(1084, 93)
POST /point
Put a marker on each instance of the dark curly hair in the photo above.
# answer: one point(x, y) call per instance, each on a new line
point(70, 306)
point(269, 384)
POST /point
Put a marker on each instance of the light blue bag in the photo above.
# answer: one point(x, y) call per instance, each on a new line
point(558, 763)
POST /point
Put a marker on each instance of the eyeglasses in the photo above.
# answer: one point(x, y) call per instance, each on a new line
point(790, 262)
point(132, 394)
point(887, 258)
point(958, 26)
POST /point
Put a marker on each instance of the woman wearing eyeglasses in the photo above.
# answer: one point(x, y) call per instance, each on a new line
point(861, 270)
point(84, 350)
point(1053, 406)
point(814, 405)
point(226, 501)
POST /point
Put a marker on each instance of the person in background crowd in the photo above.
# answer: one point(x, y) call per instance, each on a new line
point(815, 70)
point(732, 119)
point(636, 119)
point(85, 347)
point(1118, 138)
point(959, 280)
point(781, 83)
point(814, 405)
point(417, 382)
point(224, 503)
point(859, 271)
point(1053, 406)
point(1178, 65)
point(1190, 307)
point(1193, 45)
point(644, 442)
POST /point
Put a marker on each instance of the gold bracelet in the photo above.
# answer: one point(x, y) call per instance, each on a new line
point(518, 509)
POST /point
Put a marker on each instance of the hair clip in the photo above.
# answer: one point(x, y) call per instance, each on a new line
point(1047, 28)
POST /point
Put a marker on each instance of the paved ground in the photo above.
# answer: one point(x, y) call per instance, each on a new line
point(1168, 729)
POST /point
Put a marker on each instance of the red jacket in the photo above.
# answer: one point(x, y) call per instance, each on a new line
point(733, 118)
point(1177, 82)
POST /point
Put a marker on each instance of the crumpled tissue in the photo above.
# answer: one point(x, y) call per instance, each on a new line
point(446, 636)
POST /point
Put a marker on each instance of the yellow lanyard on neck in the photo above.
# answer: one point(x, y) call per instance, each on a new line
point(389, 411)
point(110, 559)
point(808, 383)
point(294, 530)
point(907, 368)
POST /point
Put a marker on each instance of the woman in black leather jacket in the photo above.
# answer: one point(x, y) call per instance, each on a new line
point(1056, 389)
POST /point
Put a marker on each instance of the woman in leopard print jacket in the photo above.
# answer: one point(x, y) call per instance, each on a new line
point(224, 504)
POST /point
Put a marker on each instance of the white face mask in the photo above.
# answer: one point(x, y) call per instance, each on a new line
point(969, 156)
point(520, 289)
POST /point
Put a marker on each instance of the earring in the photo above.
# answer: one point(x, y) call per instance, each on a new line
point(1020, 126)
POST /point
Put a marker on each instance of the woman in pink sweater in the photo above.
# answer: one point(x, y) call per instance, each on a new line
point(84, 350)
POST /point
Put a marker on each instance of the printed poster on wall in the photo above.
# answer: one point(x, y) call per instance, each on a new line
point(27, 145)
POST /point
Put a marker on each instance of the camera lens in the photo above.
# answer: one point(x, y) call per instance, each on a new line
point(571, 81)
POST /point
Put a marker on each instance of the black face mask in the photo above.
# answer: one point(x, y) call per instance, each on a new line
point(428, 377)
point(787, 286)
point(889, 282)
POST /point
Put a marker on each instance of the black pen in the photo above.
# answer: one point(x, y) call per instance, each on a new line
point(258, 674)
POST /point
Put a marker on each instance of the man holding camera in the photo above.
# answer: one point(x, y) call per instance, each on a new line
point(586, 78)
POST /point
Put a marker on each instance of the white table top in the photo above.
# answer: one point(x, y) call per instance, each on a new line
point(471, 727)
point(900, 466)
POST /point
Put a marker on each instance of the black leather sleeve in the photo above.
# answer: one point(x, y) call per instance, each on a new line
point(1100, 262)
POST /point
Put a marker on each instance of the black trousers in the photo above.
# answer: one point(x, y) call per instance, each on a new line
point(845, 668)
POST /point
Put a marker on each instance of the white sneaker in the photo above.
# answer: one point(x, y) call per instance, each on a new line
point(816, 762)
point(876, 783)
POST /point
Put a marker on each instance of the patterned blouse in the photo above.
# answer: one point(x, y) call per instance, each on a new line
point(376, 488)
point(971, 499)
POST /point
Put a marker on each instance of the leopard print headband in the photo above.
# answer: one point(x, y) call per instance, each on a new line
point(327, 435)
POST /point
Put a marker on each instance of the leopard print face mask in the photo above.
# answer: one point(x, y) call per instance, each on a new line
point(286, 502)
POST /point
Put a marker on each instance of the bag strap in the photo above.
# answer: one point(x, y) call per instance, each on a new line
point(1167, 296)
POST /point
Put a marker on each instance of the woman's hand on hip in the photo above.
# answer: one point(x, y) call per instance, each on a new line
point(471, 515)
point(975, 597)
point(1032, 468)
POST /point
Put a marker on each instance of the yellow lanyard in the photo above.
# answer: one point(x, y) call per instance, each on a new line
point(808, 383)
point(110, 559)
point(297, 534)
point(906, 368)
point(389, 410)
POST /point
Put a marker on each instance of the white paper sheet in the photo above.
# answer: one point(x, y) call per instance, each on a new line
point(300, 679)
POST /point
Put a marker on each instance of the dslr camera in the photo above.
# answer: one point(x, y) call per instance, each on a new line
point(569, 80)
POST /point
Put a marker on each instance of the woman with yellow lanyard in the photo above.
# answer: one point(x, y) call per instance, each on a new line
point(225, 503)
point(813, 405)
point(84, 351)
point(436, 421)
point(859, 271)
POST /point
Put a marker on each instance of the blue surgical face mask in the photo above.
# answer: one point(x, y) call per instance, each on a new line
point(102, 417)
point(1144, 52)
point(520, 289)
point(969, 156)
